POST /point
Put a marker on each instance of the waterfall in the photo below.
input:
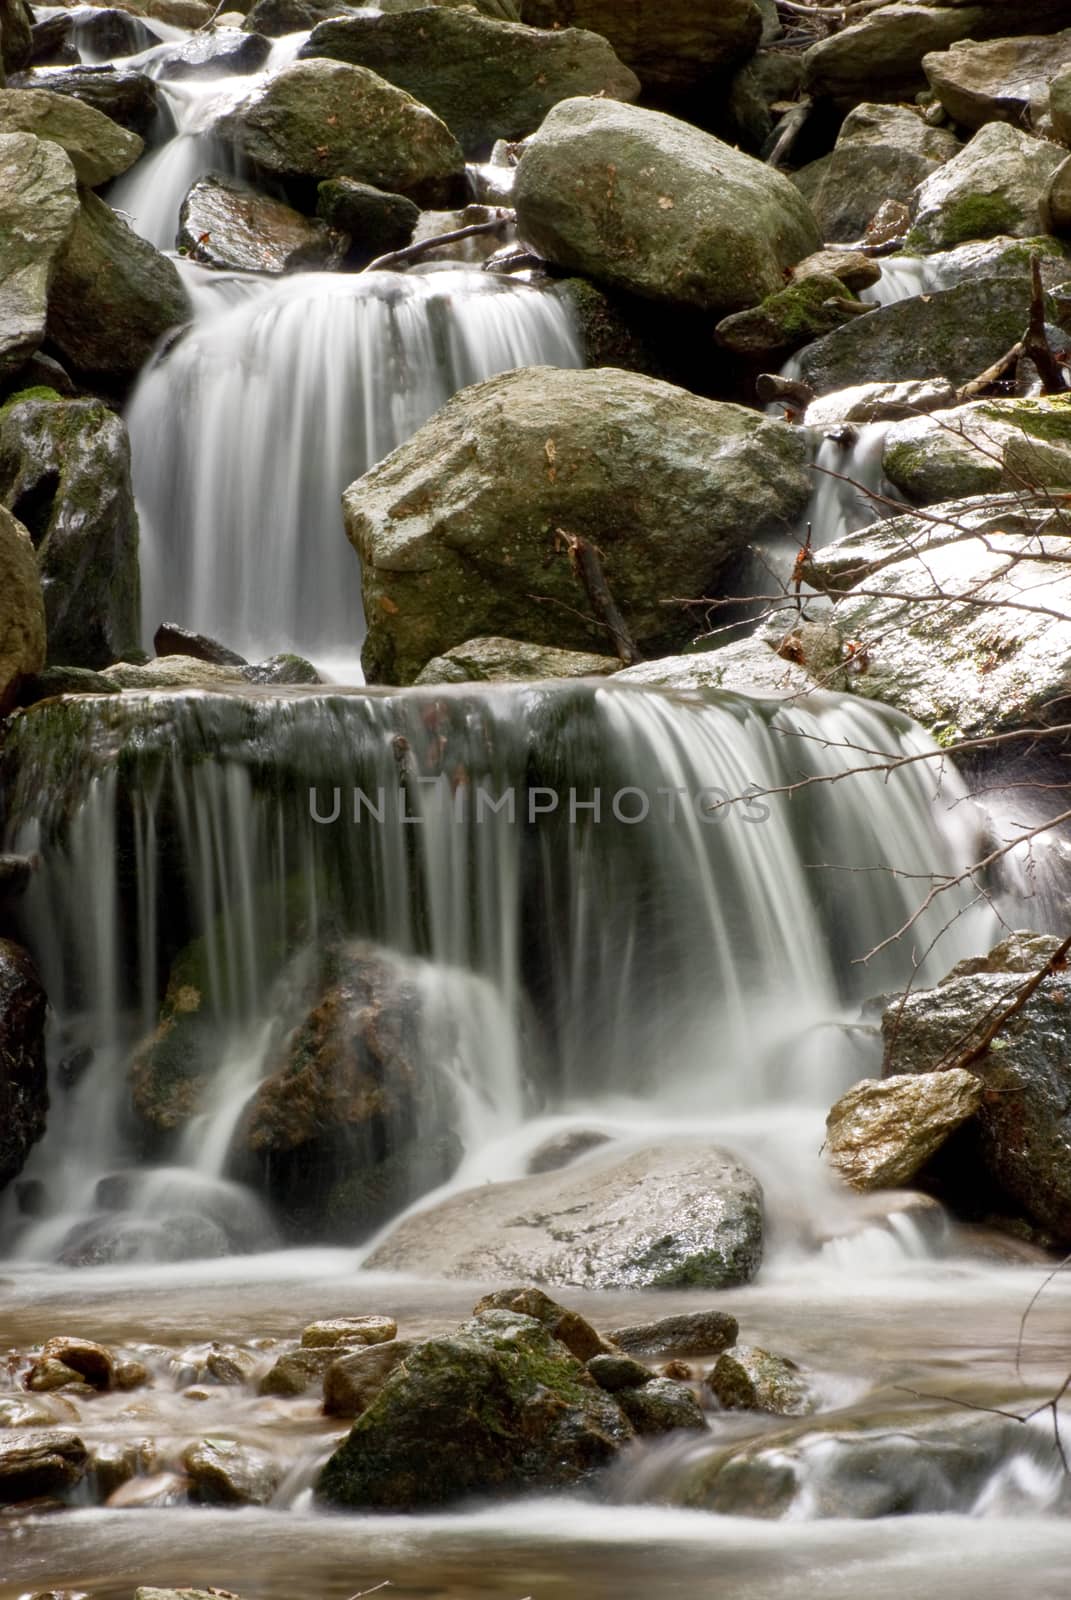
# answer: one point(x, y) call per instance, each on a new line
point(472, 839)
point(244, 540)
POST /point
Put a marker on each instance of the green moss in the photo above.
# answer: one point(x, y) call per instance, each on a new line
point(39, 391)
point(976, 216)
point(1048, 419)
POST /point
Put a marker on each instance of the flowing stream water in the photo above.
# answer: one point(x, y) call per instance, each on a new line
point(613, 913)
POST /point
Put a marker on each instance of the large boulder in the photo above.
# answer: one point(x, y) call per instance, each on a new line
point(65, 473)
point(674, 45)
point(881, 56)
point(881, 1132)
point(113, 297)
point(981, 448)
point(230, 225)
point(1015, 1154)
point(487, 80)
point(496, 1407)
point(457, 529)
point(326, 119)
point(1004, 80)
point(22, 609)
point(882, 153)
point(645, 203)
point(98, 147)
point(23, 1081)
point(683, 1215)
point(996, 185)
point(962, 669)
point(951, 333)
point(127, 97)
point(38, 208)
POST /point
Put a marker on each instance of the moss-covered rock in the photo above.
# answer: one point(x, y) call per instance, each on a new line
point(65, 473)
point(23, 1083)
point(486, 79)
point(98, 148)
point(498, 1407)
point(457, 529)
point(375, 221)
point(645, 203)
point(996, 185)
point(987, 446)
point(38, 207)
point(749, 1379)
point(22, 611)
point(784, 321)
point(662, 1406)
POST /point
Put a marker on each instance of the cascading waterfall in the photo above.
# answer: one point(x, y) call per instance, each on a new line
point(473, 839)
point(335, 370)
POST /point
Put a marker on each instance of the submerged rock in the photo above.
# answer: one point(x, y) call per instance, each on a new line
point(666, 1216)
point(326, 119)
point(648, 204)
point(228, 224)
point(882, 1132)
point(38, 208)
point(749, 1379)
point(22, 611)
point(995, 186)
point(486, 79)
point(512, 661)
point(65, 473)
point(497, 1407)
point(457, 528)
point(98, 148)
point(23, 1079)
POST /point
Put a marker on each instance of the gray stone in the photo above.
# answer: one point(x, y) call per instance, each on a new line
point(879, 402)
point(996, 185)
point(326, 119)
point(297, 1371)
point(855, 270)
point(882, 1132)
point(662, 1406)
point(747, 666)
point(353, 1381)
point(613, 1372)
point(486, 79)
point(882, 153)
point(38, 208)
point(171, 639)
point(225, 52)
point(1004, 80)
point(688, 1333)
point(749, 1379)
point(173, 672)
point(23, 1080)
point(1060, 106)
point(377, 223)
point(22, 610)
point(113, 296)
point(228, 224)
point(127, 97)
point(672, 1216)
point(644, 203)
point(456, 529)
point(980, 448)
point(99, 148)
point(65, 472)
point(568, 1327)
point(512, 661)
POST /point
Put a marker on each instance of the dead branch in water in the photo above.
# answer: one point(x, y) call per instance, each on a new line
point(413, 252)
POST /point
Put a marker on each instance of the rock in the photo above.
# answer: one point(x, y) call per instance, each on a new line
point(1015, 1149)
point(662, 1406)
point(113, 297)
point(38, 208)
point(171, 639)
point(105, 32)
point(855, 270)
point(750, 1379)
point(613, 1372)
point(880, 57)
point(962, 670)
point(21, 1411)
point(125, 96)
point(1005, 80)
point(568, 1327)
point(882, 153)
point(349, 1330)
point(98, 148)
point(672, 45)
point(1056, 206)
point(227, 224)
point(689, 1333)
point(159, 1490)
point(880, 402)
point(283, 668)
point(996, 185)
point(512, 661)
point(560, 1149)
point(65, 473)
point(23, 1080)
point(377, 223)
point(456, 529)
point(16, 874)
point(34, 1463)
point(952, 333)
point(747, 666)
point(179, 1594)
point(353, 1381)
point(22, 619)
point(669, 1216)
point(980, 448)
point(645, 203)
point(771, 77)
point(1060, 106)
point(48, 1374)
point(793, 316)
point(477, 248)
point(173, 672)
point(486, 79)
point(63, 680)
point(92, 1361)
point(497, 1407)
point(133, 1375)
point(881, 1133)
point(114, 1464)
point(325, 119)
point(297, 1371)
point(347, 1126)
point(223, 53)
point(52, 43)
point(277, 17)
point(224, 1473)
point(192, 14)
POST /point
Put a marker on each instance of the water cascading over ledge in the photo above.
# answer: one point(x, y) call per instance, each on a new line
point(426, 873)
point(246, 431)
